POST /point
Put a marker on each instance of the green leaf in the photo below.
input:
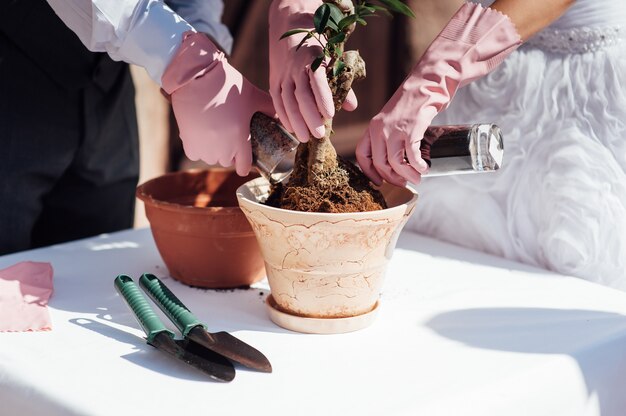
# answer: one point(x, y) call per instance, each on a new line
point(398, 7)
point(361, 21)
point(347, 21)
point(317, 62)
point(365, 10)
point(335, 16)
point(293, 32)
point(337, 38)
point(330, 32)
point(338, 67)
point(304, 39)
point(321, 17)
point(365, 13)
point(378, 8)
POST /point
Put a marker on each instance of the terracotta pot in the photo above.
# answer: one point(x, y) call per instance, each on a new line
point(322, 265)
point(200, 232)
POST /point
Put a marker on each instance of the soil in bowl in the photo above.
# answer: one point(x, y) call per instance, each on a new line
point(343, 189)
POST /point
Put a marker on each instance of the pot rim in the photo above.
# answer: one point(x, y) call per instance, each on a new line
point(335, 215)
point(149, 200)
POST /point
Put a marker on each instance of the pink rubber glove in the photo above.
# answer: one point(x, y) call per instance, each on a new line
point(302, 97)
point(472, 44)
point(213, 104)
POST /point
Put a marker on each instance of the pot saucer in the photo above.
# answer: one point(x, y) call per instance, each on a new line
point(319, 325)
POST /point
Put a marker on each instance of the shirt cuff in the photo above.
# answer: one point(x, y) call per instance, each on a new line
point(154, 37)
point(218, 33)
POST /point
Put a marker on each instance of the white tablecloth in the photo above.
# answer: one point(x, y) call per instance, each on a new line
point(459, 333)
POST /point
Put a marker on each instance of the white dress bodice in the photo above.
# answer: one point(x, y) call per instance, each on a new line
point(592, 14)
point(587, 26)
point(587, 13)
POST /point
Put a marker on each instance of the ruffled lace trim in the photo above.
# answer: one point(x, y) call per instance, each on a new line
point(578, 40)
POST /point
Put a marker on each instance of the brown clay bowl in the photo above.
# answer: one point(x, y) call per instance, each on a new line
point(201, 233)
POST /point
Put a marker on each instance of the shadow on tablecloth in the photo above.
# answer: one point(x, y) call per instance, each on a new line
point(595, 340)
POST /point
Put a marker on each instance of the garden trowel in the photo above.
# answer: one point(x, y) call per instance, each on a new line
point(192, 329)
point(273, 147)
point(214, 365)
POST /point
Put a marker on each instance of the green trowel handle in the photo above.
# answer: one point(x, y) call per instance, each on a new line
point(169, 303)
point(148, 320)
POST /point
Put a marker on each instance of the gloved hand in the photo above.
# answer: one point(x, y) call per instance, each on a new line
point(472, 44)
point(213, 104)
point(302, 97)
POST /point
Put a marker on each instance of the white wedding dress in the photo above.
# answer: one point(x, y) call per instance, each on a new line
point(559, 201)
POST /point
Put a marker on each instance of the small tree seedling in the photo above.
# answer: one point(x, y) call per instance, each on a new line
point(321, 181)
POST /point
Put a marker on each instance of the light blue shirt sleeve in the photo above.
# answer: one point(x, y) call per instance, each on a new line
point(206, 17)
point(142, 32)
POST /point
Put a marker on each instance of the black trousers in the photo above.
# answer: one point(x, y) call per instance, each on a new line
point(69, 160)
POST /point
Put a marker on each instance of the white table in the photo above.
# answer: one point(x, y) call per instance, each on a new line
point(459, 333)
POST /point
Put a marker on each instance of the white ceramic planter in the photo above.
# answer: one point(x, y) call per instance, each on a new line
point(324, 266)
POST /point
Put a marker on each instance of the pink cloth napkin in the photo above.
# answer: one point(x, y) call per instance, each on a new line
point(24, 292)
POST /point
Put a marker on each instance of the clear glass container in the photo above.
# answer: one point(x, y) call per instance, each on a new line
point(460, 149)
